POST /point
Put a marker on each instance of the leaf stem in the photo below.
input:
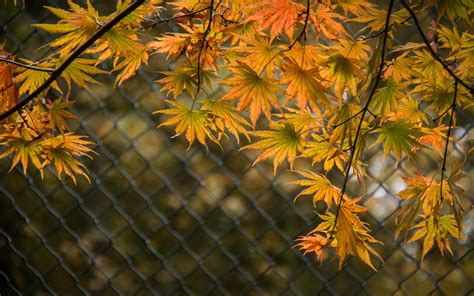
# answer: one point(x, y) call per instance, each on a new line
point(165, 20)
point(445, 155)
point(31, 67)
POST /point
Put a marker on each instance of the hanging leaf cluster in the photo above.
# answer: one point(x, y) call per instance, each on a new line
point(318, 80)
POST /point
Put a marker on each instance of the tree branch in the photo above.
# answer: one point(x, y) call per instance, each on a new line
point(31, 67)
point(72, 57)
point(363, 113)
point(432, 52)
point(201, 47)
point(445, 155)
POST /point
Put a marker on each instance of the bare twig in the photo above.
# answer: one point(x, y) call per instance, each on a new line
point(363, 113)
point(166, 20)
point(54, 75)
point(445, 155)
point(431, 50)
point(26, 66)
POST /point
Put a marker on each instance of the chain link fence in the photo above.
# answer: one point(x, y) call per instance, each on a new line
point(157, 219)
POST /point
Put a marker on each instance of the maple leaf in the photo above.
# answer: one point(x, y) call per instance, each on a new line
point(356, 7)
point(30, 80)
point(173, 44)
point(428, 67)
point(321, 150)
point(8, 89)
point(278, 15)
point(130, 63)
point(416, 187)
point(251, 90)
point(397, 136)
point(314, 243)
point(425, 193)
point(180, 79)
point(434, 137)
point(23, 145)
point(303, 84)
point(194, 123)
point(79, 72)
point(385, 98)
point(58, 114)
point(352, 234)
point(327, 22)
point(225, 116)
point(356, 50)
point(436, 229)
point(77, 25)
point(259, 52)
point(409, 110)
point(302, 119)
point(342, 73)
point(190, 5)
point(319, 187)
point(347, 234)
point(282, 143)
point(401, 68)
point(62, 151)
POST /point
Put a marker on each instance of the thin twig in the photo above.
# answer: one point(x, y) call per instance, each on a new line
point(54, 75)
point(448, 134)
point(442, 114)
point(166, 20)
point(431, 50)
point(364, 111)
point(31, 67)
point(201, 47)
point(376, 34)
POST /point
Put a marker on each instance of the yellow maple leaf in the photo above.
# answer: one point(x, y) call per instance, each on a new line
point(195, 123)
point(319, 187)
point(282, 143)
point(62, 152)
point(252, 91)
point(225, 117)
point(304, 85)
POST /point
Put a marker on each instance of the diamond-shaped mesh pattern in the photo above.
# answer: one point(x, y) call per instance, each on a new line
point(157, 219)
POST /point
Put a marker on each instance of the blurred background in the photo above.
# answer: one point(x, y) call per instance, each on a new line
point(158, 219)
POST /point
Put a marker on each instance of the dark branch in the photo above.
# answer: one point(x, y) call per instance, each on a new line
point(363, 113)
point(445, 155)
point(201, 47)
point(31, 67)
point(72, 57)
point(442, 114)
point(432, 52)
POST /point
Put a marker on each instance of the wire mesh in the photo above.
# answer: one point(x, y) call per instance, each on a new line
point(158, 219)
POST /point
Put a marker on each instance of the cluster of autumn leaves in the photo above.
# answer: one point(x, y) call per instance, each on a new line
point(303, 72)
